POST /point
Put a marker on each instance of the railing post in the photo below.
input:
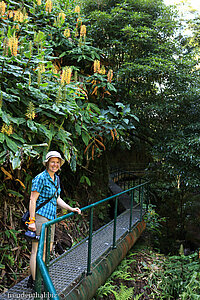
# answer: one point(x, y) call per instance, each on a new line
point(115, 223)
point(47, 254)
point(90, 242)
point(131, 210)
point(48, 243)
point(141, 203)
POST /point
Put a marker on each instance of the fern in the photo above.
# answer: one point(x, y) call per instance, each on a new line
point(122, 274)
point(122, 270)
point(105, 289)
point(124, 293)
point(137, 297)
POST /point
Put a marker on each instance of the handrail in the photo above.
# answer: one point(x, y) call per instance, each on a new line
point(42, 269)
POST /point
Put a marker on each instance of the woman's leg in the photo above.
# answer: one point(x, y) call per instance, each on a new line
point(39, 221)
point(33, 259)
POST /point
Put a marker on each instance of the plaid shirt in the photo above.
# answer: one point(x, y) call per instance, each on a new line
point(44, 185)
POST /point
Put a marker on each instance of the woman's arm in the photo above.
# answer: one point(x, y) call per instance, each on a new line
point(64, 205)
point(32, 207)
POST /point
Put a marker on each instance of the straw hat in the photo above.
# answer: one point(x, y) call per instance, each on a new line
point(53, 154)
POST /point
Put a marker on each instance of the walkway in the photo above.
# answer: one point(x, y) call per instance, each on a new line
point(67, 270)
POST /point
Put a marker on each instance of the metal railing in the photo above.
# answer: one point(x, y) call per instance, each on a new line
point(43, 267)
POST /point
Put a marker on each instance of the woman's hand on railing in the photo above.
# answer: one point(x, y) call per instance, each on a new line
point(76, 210)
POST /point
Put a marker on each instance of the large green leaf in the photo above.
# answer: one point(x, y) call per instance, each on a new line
point(10, 98)
point(73, 163)
point(67, 154)
point(16, 160)
point(64, 136)
point(31, 124)
point(2, 137)
point(85, 137)
point(17, 137)
point(11, 144)
point(43, 129)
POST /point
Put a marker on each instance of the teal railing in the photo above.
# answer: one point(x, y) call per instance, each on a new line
point(43, 267)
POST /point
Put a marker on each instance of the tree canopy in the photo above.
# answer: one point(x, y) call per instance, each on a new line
point(157, 75)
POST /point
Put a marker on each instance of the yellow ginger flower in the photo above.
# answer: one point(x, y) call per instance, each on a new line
point(61, 16)
point(77, 9)
point(96, 66)
point(8, 129)
point(63, 77)
point(102, 71)
point(48, 6)
point(59, 95)
point(39, 2)
point(25, 17)
point(66, 75)
point(19, 16)
point(2, 8)
point(67, 33)
point(60, 19)
point(41, 67)
point(13, 45)
point(110, 75)
point(54, 70)
point(29, 81)
point(31, 111)
point(10, 14)
point(83, 30)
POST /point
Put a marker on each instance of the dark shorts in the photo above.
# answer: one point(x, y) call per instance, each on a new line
point(39, 220)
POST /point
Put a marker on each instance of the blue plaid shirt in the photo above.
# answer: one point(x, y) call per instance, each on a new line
point(44, 185)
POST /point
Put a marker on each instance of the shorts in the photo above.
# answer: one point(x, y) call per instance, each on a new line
point(39, 220)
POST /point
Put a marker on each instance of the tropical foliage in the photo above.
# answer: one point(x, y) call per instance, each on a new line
point(53, 89)
point(145, 274)
point(157, 73)
point(79, 77)
point(54, 94)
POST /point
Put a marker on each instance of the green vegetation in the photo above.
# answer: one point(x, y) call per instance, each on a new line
point(87, 77)
point(145, 274)
point(54, 94)
point(51, 85)
point(158, 75)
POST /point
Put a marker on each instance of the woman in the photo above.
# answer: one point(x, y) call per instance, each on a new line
point(45, 186)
